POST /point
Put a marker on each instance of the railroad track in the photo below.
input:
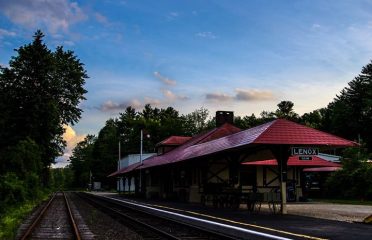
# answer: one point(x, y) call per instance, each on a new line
point(54, 221)
point(150, 226)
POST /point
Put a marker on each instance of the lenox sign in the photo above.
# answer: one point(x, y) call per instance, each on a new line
point(304, 151)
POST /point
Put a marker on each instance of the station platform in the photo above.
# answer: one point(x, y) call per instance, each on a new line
point(237, 220)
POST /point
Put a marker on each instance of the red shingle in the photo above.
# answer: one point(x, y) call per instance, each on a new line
point(286, 132)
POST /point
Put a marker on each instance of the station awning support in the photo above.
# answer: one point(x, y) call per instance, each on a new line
point(282, 153)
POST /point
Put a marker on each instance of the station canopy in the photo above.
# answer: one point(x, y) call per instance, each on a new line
point(125, 170)
point(322, 169)
point(295, 161)
point(227, 138)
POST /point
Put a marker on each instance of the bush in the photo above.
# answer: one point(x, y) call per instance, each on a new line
point(354, 180)
point(13, 216)
point(12, 190)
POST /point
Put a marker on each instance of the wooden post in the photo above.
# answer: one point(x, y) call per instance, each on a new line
point(283, 184)
point(281, 153)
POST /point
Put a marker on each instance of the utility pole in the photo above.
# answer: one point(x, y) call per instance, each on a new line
point(141, 149)
point(120, 178)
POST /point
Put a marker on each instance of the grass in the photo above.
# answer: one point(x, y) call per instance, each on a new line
point(344, 201)
point(11, 219)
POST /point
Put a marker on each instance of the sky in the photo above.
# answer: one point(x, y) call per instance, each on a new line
point(241, 56)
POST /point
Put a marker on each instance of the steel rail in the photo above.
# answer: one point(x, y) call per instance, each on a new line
point(152, 228)
point(31, 228)
point(71, 218)
point(40, 216)
point(184, 224)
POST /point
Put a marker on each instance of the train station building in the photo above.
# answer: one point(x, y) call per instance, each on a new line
point(226, 165)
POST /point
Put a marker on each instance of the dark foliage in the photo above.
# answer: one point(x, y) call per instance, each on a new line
point(39, 94)
point(354, 180)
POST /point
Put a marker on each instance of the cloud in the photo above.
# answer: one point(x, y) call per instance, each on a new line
point(53, 14)
point(172, 15)
point(5, 33)
point(253, 95)
point(315, 26)
point(219, 97)
point(68, 43)
point(71, 139)
point(360, 38)
point(100, 18)
point(168, 94)
point(241, 95)
point(164, 79)
point(152, 101)
point(209, 35)
point(110, 106)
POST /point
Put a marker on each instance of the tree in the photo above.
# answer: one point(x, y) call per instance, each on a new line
point(266, 116)
point(196, 121)
point(81, 161)
point(350, 113)
point(105, 152)
point(247, 121)
point(22, 158)
point(316, 119)
point(354, 180)
point(157, 123)
point(285, 110)
point(39, 93)
point(61, 178)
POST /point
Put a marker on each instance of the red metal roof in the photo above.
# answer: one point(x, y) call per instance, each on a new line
point(228, 137)
point(225, 130)
point(316, 161)
point(322, 169)
point(125, 170)
point(179, 153)
point(174, 140)
point(282, 131)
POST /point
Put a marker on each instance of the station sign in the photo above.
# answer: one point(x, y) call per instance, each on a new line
point(305, 158)
point(304, 151)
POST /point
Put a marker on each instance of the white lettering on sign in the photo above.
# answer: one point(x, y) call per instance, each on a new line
point(304, 151)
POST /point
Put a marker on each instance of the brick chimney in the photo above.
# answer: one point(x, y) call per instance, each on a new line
point(224, 117)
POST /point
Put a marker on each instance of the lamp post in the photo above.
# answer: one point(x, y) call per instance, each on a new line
point(90, 180)
point(141, 157)
point(119, 162)
point(141, 149)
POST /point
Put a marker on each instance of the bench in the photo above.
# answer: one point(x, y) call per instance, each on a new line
point(254, 201)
